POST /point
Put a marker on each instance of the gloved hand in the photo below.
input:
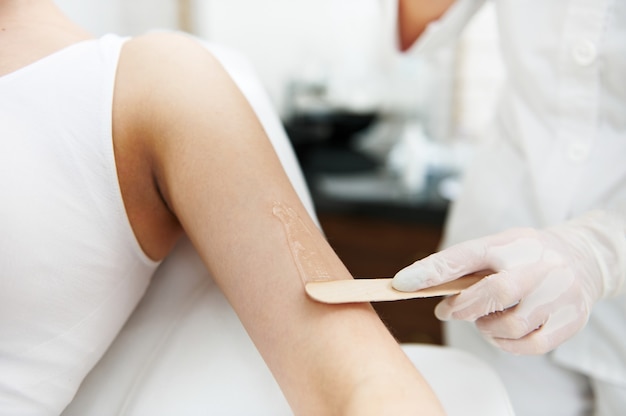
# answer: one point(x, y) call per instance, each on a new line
point(544, 284)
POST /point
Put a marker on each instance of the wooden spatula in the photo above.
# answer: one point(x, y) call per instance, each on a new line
point(380, 289)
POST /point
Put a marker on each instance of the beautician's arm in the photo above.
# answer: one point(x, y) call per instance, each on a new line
point(219, 175)
point(415, 15)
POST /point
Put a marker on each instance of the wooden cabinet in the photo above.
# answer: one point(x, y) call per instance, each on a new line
point(374, 239)
point(374, 246)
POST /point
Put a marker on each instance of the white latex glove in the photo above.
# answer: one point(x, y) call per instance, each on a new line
point(544, 284)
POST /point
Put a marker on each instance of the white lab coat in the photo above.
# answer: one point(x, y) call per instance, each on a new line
point(556, 149)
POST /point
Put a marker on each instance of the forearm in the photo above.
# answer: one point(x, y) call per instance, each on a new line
point(327, 359)
point(362, 371)
point(415, 15)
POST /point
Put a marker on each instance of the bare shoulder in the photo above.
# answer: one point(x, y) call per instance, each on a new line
point(170, 74)
point(167, 56)
point(167, 47)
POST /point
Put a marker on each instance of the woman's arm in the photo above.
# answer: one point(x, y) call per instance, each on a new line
point(415, 15)
point(220, 177)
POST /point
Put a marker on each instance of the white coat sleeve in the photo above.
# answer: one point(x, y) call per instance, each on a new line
point(437, 34)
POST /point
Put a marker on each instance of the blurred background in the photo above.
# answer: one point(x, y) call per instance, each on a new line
point(383, 138)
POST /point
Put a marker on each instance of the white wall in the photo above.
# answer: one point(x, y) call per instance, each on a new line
point(125, 17)
point(334, 42)
point(287, 39)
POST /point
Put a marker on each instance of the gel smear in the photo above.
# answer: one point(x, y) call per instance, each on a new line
point(305, 249)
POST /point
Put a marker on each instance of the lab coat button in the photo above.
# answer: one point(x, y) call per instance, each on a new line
point(578, 152)
point(584, 52)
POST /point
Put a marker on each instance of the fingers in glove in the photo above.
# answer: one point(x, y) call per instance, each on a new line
point(556, 330)
point(510, 324)
point(494, 293)
point(554, 291)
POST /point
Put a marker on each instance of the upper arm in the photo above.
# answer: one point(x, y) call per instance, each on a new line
point(211, 156)
point(415, 15)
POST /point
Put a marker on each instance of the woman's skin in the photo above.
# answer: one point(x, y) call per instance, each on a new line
point(193, 159)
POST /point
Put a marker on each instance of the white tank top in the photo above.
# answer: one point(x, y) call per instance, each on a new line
point(71, 270)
